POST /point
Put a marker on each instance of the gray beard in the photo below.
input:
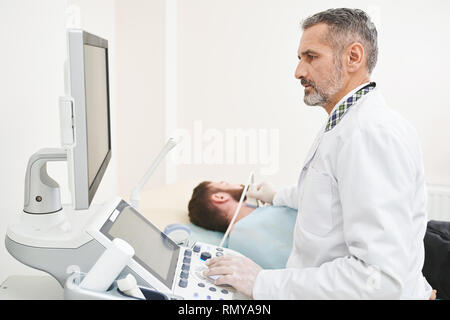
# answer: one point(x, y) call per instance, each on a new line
point(316, 98)
point(321, 96)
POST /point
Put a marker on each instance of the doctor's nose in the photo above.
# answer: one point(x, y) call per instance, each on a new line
point(300, 72)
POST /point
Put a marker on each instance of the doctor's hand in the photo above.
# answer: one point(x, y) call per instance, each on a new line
point(237, 271)
point(433, 295)
point(264, 192)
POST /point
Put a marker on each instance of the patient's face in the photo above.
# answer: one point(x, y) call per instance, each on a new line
point(235, 190)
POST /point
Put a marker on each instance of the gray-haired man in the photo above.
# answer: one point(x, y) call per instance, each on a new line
point(361, 194)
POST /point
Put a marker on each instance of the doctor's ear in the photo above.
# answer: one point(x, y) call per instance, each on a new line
point(220, 197)
point(354, 57)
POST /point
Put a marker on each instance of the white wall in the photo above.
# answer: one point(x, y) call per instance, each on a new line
point(140, 91)
point(236, 62)
point(236, 70)
point(32, 59)
point(414, 73)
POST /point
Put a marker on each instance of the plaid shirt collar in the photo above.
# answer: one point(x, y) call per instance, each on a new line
point(342, 109)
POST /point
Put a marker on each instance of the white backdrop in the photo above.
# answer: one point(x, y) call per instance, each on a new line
point(32, 60)
point(236, 70)
point(235, 63)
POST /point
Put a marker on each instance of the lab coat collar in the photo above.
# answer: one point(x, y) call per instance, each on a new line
point(318, 139)
point(349, 95)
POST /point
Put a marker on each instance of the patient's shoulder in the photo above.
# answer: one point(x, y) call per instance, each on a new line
point(269, 214)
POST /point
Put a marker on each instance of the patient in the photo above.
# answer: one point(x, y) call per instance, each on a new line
point(213, 205)
point(263, 234)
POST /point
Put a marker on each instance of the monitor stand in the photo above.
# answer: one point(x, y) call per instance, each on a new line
point(42, 193)
point(56, 243)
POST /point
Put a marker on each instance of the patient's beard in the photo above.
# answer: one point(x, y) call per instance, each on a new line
point(236, 193)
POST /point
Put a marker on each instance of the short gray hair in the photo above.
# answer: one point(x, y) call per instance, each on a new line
point(346, 26)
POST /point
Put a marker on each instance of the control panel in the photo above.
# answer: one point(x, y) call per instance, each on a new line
point(190, 281)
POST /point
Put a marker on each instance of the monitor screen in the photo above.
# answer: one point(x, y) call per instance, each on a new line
point(156, 252)
point(89, 155)
point(98, 144)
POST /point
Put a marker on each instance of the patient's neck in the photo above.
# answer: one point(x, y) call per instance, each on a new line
point(243, 212)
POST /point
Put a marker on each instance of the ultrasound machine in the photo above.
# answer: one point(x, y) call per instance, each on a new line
point(67, 240)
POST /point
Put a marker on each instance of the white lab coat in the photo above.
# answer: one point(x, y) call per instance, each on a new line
point(361, 203)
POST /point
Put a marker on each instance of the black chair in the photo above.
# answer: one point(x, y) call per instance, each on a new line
point(436, 268)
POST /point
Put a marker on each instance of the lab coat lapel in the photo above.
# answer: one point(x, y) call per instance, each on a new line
point(313, 149)
point(310, 156)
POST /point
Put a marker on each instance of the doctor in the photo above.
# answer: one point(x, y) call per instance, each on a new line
point(361, 195)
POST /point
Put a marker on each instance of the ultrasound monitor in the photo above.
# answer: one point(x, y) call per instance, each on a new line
point(154, 250)
point(90, 154)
